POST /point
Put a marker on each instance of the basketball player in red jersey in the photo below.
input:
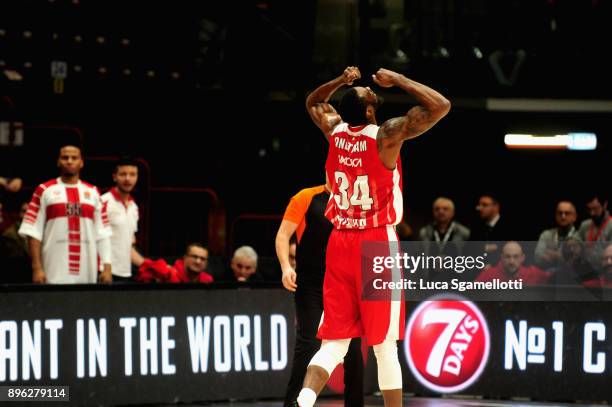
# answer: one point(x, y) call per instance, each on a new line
point(364, 170)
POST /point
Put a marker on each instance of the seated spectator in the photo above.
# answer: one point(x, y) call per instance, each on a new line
point(573, 267)
point(511, 268)
point(492, 227)
point(14, 254)
point(444, 234)
point(548, 249)
point(597, 230)
point(11, 185)
point(9, 197)
point(189, 269)
point(244, 265)
point(606, 270)
point(443, 237)
point(13, 245)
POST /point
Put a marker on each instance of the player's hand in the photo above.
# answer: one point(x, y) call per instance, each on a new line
point(351, 74)
point(385, 78)
point(38, 276)
point(289, 276)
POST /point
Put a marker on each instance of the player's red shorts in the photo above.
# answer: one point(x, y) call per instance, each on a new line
point(345, 313)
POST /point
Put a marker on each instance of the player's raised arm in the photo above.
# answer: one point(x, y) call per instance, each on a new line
point(317, 103)
point(431, 108)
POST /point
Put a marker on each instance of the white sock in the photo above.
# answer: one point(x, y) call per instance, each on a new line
point(307, 397)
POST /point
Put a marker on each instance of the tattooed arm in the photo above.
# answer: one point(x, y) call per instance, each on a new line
point(432, 107)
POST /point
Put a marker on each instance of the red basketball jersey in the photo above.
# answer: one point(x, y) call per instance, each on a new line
point(365, 194)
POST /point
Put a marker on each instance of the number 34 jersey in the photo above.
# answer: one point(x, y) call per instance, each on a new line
point(365, 194)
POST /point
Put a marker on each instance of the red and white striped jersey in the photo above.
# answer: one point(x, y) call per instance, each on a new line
point(365, 194)
point(69, 220)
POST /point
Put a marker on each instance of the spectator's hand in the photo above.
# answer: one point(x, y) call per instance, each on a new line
point(350, 74)
point(552, 255)
point(3, 182)
point(490, 247)
point(14, 185)
point(385, 78)
point(38, 276)
point(106, 276)
point(288, 279)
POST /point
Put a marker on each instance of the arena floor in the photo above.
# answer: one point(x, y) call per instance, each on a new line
point(408, 401)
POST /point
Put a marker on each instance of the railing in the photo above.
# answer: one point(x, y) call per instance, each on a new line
point(256, 230)
point(185, 214)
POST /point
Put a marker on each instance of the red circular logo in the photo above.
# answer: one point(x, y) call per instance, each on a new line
point(447, 344)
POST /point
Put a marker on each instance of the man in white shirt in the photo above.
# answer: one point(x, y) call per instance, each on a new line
point(123, 217)
point(67, 227)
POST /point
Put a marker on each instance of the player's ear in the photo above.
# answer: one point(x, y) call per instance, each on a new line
point(370, 112)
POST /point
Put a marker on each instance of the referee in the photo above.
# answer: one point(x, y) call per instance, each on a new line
point(305, 217)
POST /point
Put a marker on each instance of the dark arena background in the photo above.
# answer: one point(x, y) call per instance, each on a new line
point(209, 98)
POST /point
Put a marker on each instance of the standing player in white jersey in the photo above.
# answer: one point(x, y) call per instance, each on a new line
point(122, 214)
point(364, 169)
point(67, 228)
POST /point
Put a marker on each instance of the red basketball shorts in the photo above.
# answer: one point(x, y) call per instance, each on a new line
point(345, 313)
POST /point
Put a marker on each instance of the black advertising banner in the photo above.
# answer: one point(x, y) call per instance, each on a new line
point(538, 350)
point(188, 343)
point(148, 346)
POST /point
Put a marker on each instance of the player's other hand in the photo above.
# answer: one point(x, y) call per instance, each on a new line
point(385, 78)
point(351, 74)
point(288, 279)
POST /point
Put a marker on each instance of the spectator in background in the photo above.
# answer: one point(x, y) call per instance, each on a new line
point(190, 269)
point(14, 245)
point(244, 265)
point(491, 228)
point(596, 232)
point(606, 267)
point(548, 249)
point(573, 267)
point(14, 258)
point(8, 188)
point(511, 268)
point(444, 235)
point(67, 227)
point(604, 279)
point(122, 213)
point(10, 184)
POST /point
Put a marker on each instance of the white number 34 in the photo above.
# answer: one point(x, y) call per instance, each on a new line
point(360, 195)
